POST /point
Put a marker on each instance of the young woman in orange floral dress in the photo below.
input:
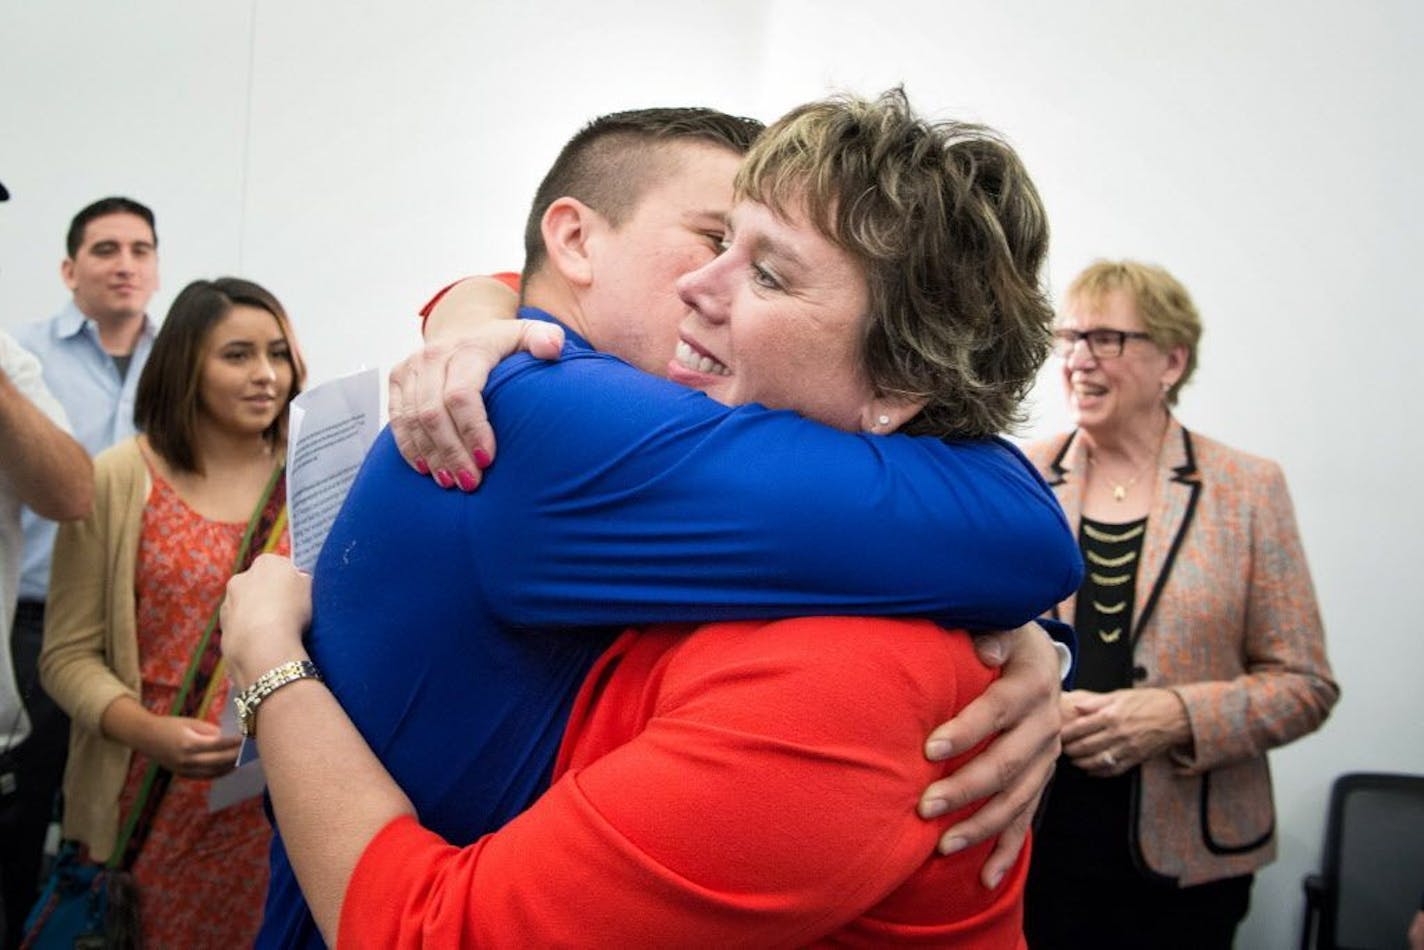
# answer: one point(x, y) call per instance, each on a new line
point(134, 587)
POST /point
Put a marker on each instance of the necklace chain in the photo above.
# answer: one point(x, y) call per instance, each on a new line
point(1120, 489)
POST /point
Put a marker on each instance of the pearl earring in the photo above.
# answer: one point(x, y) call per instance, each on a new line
point(882, 421)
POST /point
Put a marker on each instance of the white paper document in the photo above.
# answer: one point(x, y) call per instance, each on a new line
point(244, 782)
point(329, 430)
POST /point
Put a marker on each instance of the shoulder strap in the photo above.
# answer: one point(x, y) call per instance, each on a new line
point(264, 532)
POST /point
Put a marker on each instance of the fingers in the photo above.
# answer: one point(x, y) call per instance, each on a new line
point(1006, 850)
point(203, 737)
point(1007, 815)
point(1104, 764)
point(266, 609)
point(437, 407)
point(199, 729)
point(975, 722)
point(1088, 736)
point(443, 390)
point(1088, 715)
point(468, 371)
point(421, 424)
point(195, 748)
point(1013, 769)
point(211, 764)
point(1084, 701)
point(403, 391)
point(994, 648)
point(978, 778)
point(1026, 694)
point(1083, 727)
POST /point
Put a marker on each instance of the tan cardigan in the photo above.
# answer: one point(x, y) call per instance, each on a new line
point(90, 655)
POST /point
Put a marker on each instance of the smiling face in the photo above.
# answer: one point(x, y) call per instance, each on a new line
point(634, 309)
point(114, 272)
point(1123, 393)
point(246, 373)
point(778, 319)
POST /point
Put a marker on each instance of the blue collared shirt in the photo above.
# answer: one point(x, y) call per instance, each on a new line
point(99, 405)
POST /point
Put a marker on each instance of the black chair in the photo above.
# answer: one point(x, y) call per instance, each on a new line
point(1372, 871)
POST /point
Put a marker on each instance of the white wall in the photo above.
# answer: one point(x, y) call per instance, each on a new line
point(354, 156)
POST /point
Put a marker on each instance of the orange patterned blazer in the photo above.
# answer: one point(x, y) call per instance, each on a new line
point(1225, 617)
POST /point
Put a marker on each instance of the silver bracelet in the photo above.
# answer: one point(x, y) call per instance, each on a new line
point(265, 685)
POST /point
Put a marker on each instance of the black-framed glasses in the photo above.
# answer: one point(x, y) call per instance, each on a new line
point(1103, 344)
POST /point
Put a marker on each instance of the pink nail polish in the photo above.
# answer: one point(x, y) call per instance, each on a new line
point(422, 467)
point(482, 459)
point(443, 479)
point(466, 480)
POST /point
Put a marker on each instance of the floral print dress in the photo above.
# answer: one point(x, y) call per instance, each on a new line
point(201, 875)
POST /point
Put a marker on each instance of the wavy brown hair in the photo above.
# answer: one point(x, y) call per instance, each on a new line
point(952, 237)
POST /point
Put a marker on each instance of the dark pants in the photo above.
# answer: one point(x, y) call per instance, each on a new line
point(1085, 888)
point(1071, 911)
point(38, 767)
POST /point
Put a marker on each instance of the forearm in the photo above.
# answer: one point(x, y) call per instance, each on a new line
point(662, 506)
point(1237, 719)
point(52, 473)
point(329, 793)
point(125, 720)
point(467, 304)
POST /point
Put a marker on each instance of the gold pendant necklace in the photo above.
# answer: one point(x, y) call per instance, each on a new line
point(1120, 489)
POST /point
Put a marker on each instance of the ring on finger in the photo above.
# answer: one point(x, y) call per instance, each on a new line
point(1109, 760)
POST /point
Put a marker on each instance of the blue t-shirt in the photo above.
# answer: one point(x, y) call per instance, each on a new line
point(455, 629)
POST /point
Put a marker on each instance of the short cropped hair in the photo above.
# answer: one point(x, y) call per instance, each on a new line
point(951, 235)
point(105, 206)
point(609, 163)
point(1167, 311)
point(166, 403)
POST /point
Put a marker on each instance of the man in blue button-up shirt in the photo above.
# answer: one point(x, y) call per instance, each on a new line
point(92, 352)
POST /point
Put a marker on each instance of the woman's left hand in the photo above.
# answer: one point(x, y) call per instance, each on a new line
point(268, 606)
point(1108, 733)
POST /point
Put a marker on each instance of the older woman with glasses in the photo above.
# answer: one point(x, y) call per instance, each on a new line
point(1200, 642)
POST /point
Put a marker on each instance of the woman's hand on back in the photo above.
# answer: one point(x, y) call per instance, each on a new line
point(1013, 770)
point(436, 399)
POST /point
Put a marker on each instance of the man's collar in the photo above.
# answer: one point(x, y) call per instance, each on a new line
point(71, 321)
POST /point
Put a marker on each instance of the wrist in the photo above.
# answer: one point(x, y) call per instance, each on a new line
point(245, 670)
point(1179, 724)
point(250, 700)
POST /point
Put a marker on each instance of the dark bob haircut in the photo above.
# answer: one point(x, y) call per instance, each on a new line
point(166, 404)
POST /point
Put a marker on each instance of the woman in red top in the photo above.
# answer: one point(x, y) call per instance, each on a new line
point(733, 784)
point(134, 587)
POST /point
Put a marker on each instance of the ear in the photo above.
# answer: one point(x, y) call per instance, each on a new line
point(66, 273)
point(567, 226)
point(1176, 365)
point(886, 414)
